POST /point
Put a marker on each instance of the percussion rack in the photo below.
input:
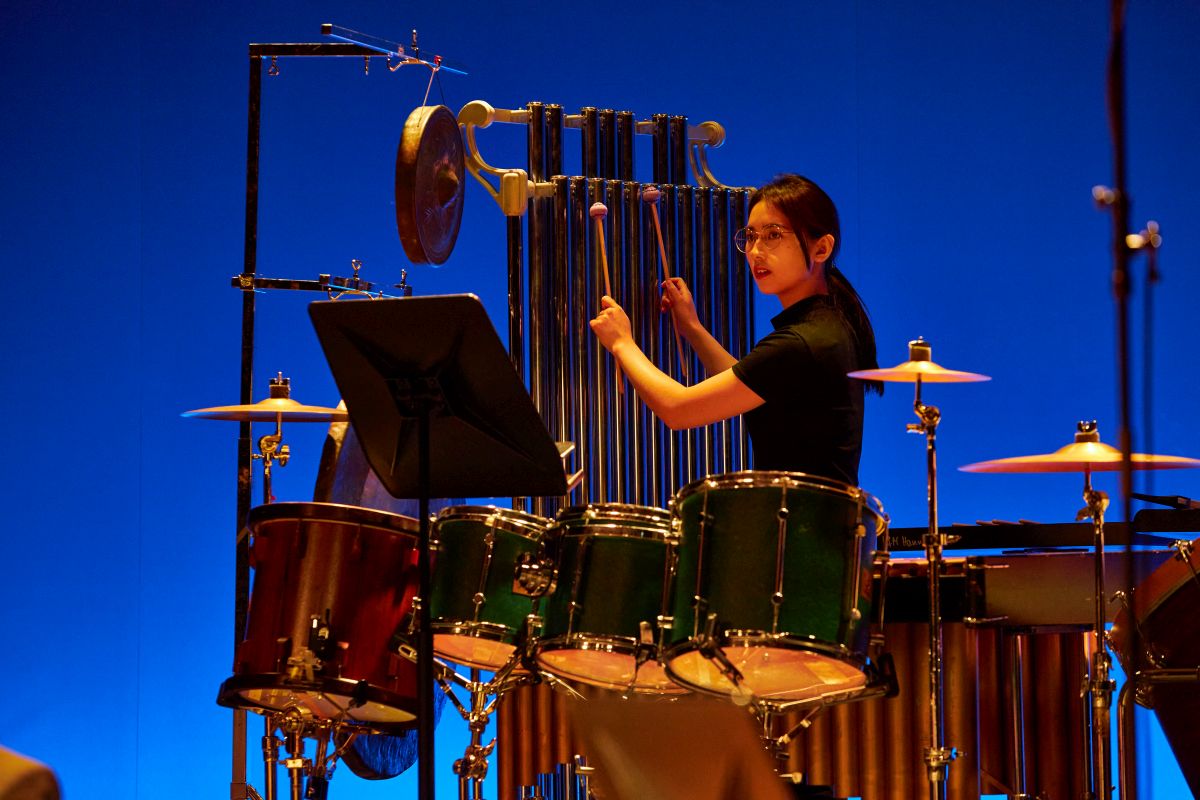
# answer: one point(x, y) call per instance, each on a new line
point(250, 283)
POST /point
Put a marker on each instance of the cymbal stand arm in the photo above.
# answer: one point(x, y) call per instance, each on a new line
point(1100, 685)
point(937, 755)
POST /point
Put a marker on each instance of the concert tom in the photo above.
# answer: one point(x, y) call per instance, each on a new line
point(478, 607)
point(1163, 609)
point(774, 575)
point(601, 622)
point(331, 585)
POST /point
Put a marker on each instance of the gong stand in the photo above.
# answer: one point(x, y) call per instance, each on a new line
point(250, 282)
point(937, 755)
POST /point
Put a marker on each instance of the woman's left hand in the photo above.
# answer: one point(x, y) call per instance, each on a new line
point(611, 325)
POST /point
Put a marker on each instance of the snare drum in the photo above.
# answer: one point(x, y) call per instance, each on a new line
point(331, 584)
point(475, 608)
point(774, 569)
point(603, 616)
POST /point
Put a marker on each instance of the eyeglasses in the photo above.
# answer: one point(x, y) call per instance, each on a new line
point(767, 239)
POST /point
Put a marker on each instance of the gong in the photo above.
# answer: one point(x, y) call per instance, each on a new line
point(429, 185)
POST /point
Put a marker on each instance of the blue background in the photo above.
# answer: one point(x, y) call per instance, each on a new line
point(960, 141)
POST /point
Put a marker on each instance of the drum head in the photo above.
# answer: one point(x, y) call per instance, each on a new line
point(783, 674)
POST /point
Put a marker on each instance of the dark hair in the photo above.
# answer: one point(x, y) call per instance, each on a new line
point(811, 211)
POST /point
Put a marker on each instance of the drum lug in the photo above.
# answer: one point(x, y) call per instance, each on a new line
point(319, 638)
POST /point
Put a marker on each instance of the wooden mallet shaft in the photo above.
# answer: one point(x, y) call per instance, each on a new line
point(651, 194)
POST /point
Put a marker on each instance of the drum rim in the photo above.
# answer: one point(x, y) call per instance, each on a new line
point(332, 512)
point(740, 638)
point(614, 521)
point(838, 652)
point(510, 520)
point(611, 530)
point(580, 509)
point(761, 479)
point(607, 643)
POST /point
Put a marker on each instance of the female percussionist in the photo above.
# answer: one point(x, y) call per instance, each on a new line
point(802, 411)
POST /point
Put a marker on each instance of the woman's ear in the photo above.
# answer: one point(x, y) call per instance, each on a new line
point(822, 249)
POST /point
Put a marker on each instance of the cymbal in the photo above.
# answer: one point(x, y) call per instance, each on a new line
point(919, 365)
point(1086, 453)
point(268, 410)
point(928, 371)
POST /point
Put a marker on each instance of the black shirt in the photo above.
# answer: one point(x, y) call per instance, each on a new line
point(812, 417)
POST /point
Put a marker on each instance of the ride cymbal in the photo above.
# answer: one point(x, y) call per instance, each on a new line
point(1086, 454)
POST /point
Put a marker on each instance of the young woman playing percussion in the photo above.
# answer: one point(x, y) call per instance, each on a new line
point(802, 411)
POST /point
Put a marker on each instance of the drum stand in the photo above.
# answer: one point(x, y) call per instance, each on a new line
point(937, 755)
point(472, 768)
point(295, 728)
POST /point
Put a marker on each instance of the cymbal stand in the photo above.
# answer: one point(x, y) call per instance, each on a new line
point(937, 755)
point(271, 447)
point(1100, 685)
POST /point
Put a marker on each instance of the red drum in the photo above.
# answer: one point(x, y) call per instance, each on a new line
point(332, 583)
point(1164, 609)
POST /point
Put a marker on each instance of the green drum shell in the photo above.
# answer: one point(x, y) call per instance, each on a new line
point(460, 543)
point(612, 561)
point(820, 560)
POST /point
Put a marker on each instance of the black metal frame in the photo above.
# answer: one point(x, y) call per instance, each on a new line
point(258, 52)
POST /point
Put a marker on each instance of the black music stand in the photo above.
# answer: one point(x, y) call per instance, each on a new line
point(439, 410)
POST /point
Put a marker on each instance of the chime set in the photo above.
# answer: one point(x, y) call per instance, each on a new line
point(668, 570)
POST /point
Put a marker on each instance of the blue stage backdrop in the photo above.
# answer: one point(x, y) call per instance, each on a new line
point(960, 141)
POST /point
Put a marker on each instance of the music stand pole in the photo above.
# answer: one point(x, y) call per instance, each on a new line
point(425, 632)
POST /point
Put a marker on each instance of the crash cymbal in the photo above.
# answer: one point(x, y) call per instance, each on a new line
point(919, 365)
point(269, 410)
point(1086, 453)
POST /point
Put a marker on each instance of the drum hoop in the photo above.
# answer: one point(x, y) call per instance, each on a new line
point(612, 530)
point(608, 643)
point(490, 631)
point(333, 512)
point(765, 479)
point(614, 520)
point(528, 526)
point(782, 641)
point(232, 688)
point(604, 642)
point(615, 511)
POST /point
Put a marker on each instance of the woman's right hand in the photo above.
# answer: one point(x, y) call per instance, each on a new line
point(677, 299)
